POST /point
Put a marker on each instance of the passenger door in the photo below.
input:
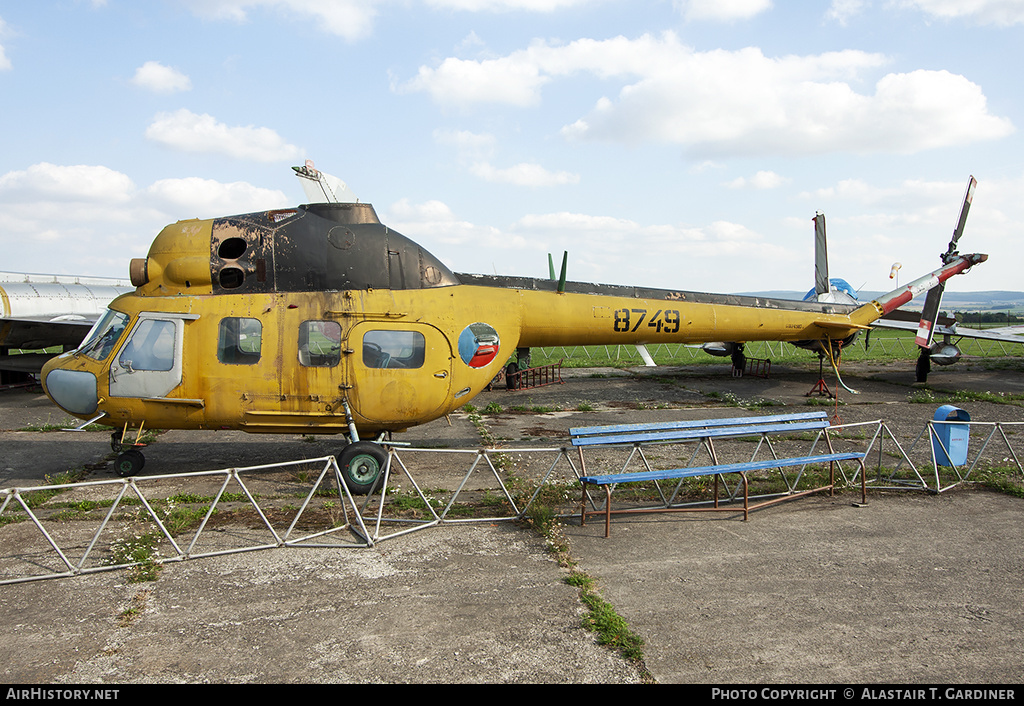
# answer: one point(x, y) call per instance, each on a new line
point(400, 373)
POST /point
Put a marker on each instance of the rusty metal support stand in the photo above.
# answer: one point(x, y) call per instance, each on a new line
point(820, 388)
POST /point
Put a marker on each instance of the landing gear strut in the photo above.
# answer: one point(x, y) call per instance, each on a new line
point(130, 460)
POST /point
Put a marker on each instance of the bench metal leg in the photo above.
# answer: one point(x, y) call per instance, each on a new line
point(746, 497)
point(607, 508)
point(607, 511)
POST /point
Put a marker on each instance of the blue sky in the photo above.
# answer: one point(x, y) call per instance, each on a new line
point(683, 144)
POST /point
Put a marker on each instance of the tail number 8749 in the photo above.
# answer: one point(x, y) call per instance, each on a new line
point(630, 320)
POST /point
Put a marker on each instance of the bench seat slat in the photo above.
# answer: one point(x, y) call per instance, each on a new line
point(723, 468)
point(694, 423)
point(691, 434)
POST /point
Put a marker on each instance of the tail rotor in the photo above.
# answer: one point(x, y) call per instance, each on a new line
point(930, 311)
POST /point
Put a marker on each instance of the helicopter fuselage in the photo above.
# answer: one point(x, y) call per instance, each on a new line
point(319, 319)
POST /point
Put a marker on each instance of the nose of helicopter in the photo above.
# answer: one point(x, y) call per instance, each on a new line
point(74, 391)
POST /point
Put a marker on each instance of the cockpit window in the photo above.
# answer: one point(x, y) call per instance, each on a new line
point(104, 335)
point(393, 349)
point(320, 344)
point(150, 348)
point(240, 340)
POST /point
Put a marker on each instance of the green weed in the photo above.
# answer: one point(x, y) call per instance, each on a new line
point(139, 552)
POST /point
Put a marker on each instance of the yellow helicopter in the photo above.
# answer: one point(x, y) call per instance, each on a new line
point(321, 319)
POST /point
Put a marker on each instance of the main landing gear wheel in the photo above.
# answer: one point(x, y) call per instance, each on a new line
point(739, 361)
point(511, 381)
point(361, 464)
point(129, 463)
point(924, 365)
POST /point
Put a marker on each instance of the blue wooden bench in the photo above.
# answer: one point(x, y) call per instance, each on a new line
point(705, 432)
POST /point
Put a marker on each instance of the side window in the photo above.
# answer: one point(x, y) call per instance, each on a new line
point(319, 343)
point(240, 341)
point(151, 347)
point(393, 349)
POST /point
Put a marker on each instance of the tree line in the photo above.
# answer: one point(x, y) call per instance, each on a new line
point(988, 317)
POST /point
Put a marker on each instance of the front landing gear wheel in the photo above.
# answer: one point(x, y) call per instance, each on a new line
point(129, 463)
point(361, 464)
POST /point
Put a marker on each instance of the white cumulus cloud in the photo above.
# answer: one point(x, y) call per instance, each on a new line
point(724, 102)
point(761, 180)
point(724, 10)
point(186, 131)
point(5, 63)
point(98, 218)
point(349, 19)
point(45, 181)
point(1001, 13)
point(523, 174)
point(156, 77)
point(208, 198)
point(508, 5)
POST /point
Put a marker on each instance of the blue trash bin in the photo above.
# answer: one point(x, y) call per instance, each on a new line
point(953, 437)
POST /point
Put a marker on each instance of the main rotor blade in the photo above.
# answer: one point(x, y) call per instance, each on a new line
point(821, 283)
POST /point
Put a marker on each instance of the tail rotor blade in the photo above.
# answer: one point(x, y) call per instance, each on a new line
point(929, 314)
point(959, 231)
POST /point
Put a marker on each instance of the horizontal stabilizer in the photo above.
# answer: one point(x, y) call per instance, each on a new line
point(839, 326)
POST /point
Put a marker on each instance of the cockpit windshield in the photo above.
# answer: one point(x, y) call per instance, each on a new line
point(104, 335)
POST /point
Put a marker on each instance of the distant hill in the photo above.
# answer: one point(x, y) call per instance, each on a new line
point(994, 300)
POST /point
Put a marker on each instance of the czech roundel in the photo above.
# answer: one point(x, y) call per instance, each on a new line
point(478, 345)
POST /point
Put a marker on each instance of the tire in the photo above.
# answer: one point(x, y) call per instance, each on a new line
point(924, 365)
point(361, 464)
point(739, 362)
point(511, 381)
point(129, 463)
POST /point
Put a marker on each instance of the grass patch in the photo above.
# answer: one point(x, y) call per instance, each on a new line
point(1002, 479)
point(930, 396)
point(36, 498)
point(64, 426)
point(139, 553)
point(611, 629)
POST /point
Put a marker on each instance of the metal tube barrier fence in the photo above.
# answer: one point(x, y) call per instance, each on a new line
point(57, 531)
point(63, 549)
